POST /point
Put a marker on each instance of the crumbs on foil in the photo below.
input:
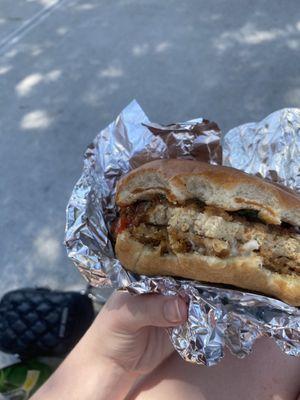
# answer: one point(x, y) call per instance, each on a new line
point(217, 316)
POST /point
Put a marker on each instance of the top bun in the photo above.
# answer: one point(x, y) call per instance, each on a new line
point(223, 187)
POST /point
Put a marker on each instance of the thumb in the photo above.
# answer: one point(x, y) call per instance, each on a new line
point(136, 312)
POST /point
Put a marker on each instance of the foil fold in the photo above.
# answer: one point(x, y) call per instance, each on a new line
point(269, 148)
point(218, 317)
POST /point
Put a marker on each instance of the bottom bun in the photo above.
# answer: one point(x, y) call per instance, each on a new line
point(244, 272)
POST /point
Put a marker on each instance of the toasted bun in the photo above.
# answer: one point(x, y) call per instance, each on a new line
point(227, 188)
point(243, 272)
point(223, 187)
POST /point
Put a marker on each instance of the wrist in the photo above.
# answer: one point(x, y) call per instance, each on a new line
point(118, 381)
point(113, 378)
point(87, 376)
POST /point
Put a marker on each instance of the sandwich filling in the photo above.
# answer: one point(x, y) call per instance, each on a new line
point(194, 227)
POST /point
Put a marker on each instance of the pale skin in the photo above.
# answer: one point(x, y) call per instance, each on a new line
point(126, 354)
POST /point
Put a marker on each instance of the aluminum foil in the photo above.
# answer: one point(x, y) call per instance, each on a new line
point(217, 316)
point(269, 149)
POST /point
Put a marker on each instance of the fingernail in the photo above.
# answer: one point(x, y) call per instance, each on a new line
point(174, 310)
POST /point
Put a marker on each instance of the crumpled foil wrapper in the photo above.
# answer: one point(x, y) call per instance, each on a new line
point(217, 316)
point(269, 149)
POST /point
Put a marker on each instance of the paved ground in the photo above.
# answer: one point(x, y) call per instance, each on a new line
point(68, 67)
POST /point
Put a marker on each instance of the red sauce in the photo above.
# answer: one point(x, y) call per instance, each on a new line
point(133, 215)
point(125, 220)
point(122, 224)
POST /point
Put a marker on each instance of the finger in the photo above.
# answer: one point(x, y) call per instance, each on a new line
point(135, 312)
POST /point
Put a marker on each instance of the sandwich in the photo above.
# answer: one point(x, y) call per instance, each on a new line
point(212, 224)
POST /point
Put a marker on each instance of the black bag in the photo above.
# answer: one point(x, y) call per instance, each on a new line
point(41, 322)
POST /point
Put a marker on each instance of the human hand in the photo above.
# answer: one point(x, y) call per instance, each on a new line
point(126, 339)
point(130, 330)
